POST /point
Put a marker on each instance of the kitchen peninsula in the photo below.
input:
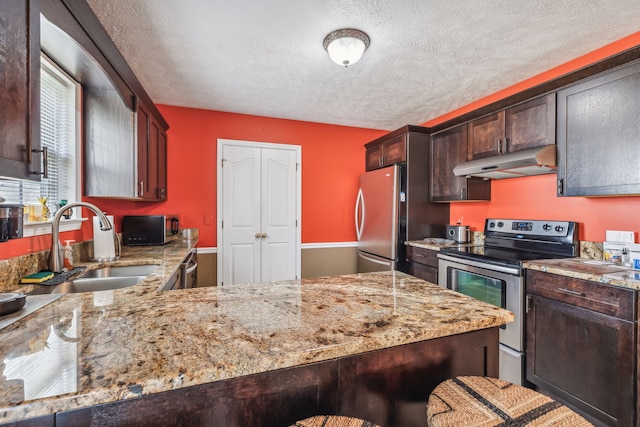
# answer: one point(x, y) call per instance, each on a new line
point(372, 345)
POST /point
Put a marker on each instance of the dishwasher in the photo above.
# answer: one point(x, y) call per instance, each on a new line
point(186, 275)
point(190, 270)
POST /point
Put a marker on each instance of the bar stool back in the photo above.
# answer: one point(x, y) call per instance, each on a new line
point(484, 401)
point(333, 421)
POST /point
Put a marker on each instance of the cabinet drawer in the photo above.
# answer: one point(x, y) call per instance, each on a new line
point(423, 256)
point(424, 272)
point(599, 297)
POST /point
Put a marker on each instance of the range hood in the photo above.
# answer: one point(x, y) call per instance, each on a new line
point(535, 161)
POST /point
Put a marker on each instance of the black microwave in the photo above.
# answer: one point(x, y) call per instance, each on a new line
point(149, 229)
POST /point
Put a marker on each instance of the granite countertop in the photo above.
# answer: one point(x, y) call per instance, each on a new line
point(166, 257)
point(435, 244)
point(90, 348)
point(589, 269)
point(581, 268)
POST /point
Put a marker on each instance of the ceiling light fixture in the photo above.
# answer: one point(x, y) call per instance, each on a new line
point(346, 46)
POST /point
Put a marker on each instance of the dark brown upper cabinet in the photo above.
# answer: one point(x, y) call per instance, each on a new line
point(125, 141)
point(528, 125)
point(380, 154)
point(20, 155)
point(599, 135)
point(152, 157)
point(448, 148)
point(486, 136)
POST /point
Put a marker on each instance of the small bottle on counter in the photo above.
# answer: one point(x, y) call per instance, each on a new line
point(625, 258)
point(67, 254)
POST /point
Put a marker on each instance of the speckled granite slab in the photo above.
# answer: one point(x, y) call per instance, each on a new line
point(587, 269)
point(32, 304)
point(106, 346)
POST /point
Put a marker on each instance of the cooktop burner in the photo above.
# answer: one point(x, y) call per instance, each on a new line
point(510, 242)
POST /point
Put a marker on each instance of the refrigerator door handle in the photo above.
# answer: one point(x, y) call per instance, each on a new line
point(386, 263)
point(359, 224)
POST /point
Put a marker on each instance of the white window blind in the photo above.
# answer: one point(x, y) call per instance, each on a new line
point(58, 130)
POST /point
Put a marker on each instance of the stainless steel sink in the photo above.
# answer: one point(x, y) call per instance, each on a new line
point(96, 284)
point(102, 279)
point(120, 271)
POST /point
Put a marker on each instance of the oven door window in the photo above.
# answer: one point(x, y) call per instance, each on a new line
point(487, 289)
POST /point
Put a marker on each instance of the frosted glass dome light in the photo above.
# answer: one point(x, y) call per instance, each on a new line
point(346, 46)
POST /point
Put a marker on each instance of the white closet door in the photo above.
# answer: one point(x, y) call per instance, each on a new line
point(278, 215)
point(241, 212)
point(260, 209)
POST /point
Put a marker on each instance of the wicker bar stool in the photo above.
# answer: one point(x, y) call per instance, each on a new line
point(484, 401)
point(333, 421)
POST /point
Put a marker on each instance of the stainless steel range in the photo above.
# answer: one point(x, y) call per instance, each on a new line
point(494, 273)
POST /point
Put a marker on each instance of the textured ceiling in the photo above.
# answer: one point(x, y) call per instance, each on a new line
point(427, 57)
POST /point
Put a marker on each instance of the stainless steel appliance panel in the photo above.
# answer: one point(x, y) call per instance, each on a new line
point(190, 271)
point(511, 365)
point(368, 263)
point(377, 212)
point(449, 269)
point(502, 286)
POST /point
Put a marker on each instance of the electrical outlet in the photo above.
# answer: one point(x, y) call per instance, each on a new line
point(208, 219)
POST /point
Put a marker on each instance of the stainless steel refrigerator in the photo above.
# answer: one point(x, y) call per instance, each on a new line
point(393, 206)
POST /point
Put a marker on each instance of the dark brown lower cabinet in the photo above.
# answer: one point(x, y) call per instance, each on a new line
point(44, 421)
point(581, 346)
point(422, 263)
point(389, 387)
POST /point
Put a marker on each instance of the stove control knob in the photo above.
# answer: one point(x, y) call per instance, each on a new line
point(559, 228)
point(492, 224)
point(500, 224)
point(546, 227)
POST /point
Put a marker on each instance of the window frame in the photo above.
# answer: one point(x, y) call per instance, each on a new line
point(38, 228)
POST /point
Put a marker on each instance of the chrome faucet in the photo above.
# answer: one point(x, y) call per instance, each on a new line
point(55, 254)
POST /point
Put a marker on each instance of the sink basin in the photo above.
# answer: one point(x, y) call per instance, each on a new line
point(107, 278)
point(120, 271)
point(101, 279)
point(96, 284)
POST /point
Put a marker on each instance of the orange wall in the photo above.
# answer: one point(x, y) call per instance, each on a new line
point(332, 159)
point(535, 197)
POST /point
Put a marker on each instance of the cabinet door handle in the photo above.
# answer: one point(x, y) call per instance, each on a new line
point(141, 188)
point(45, 162)
point(505, 144)
point(499, 146)
point(571, 292)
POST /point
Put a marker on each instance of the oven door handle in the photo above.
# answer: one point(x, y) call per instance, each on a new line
point(479, 264)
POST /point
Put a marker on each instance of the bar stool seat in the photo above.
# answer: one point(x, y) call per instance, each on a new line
point(333, 421)
point(484, 401)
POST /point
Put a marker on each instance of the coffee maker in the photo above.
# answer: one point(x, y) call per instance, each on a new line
point(10, 221)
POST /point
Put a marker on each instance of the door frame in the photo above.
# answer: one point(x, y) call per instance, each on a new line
point(256, 144)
